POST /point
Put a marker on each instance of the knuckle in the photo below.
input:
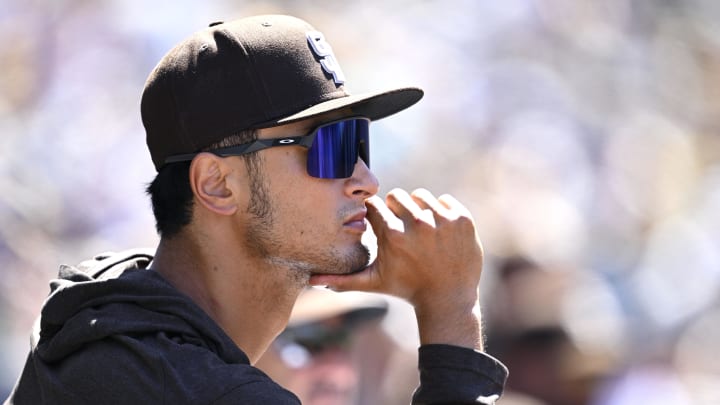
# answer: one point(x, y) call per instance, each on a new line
point(465, 222)
point(425, 220)
point(395, 233)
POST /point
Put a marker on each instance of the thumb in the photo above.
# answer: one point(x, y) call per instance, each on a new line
point(363, 280)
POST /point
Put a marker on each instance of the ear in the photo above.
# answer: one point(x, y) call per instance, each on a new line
point(209, 183)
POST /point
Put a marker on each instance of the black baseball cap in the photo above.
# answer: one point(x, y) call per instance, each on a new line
point(251, 73)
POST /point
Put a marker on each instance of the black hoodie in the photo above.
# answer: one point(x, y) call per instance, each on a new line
point(112, 332)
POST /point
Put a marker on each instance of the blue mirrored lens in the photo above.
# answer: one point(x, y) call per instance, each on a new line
point(336, 148)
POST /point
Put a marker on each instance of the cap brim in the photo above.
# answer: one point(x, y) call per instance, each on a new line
point(374, 106)
point(315, 304)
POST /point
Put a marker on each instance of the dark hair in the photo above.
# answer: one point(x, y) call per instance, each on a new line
point(170, 192)
point(172, 198)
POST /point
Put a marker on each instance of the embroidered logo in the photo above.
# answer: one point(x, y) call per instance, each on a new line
point(324, 51)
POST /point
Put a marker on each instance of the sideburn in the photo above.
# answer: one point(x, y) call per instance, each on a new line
point(259, 205)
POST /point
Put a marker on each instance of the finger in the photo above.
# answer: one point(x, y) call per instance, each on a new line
point(453, 205)
point(404, 207)
point(360, 281)
point(426, 200)
point(380, 216)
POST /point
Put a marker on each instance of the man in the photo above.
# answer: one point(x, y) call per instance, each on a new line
point(320, 356)
point(263, 187)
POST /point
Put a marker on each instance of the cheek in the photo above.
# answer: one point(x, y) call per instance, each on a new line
point(304, 203)
point(293, 161)
point(307, 211)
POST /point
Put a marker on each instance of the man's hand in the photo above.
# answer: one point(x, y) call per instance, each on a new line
point(429, 254)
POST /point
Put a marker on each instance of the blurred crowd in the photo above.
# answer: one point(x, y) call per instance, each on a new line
point(583, 135)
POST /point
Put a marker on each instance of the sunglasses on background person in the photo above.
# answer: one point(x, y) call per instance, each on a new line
point(298, 345)
point(333, 147)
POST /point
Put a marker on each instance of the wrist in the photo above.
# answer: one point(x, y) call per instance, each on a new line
point(459, 325)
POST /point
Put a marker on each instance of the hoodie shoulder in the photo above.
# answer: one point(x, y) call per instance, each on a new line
point(162, 369)
point(115, 332)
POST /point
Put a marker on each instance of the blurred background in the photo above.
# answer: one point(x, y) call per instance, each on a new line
point(583, 135)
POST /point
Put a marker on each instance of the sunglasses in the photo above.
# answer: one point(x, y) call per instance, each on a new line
point(298, 350)
point(333, 148)
point(319, 339)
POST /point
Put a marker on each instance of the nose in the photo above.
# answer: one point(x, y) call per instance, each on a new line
point(363, 182)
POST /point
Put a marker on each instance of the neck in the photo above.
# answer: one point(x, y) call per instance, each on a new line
point(248, 297)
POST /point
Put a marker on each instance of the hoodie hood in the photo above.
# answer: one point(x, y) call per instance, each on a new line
point(116, 294)
point(113, 331)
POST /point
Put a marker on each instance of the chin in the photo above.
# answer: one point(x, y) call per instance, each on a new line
point(353, 261)
point(362, 259)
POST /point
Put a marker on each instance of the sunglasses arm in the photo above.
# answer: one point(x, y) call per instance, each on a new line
point(261, 144)
point(244, 149)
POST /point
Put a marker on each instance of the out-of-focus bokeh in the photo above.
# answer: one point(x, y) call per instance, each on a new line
point(583, 135)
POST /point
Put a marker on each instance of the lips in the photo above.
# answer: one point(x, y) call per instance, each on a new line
point(357, 221)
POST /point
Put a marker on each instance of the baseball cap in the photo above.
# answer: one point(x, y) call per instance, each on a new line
point(251, 73)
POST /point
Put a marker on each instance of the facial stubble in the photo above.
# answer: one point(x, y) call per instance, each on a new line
point(266, 240)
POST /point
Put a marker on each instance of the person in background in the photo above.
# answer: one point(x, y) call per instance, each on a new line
point(316, 356)
point(530, 336)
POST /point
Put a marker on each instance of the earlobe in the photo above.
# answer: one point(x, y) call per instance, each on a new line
point(209, 183)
